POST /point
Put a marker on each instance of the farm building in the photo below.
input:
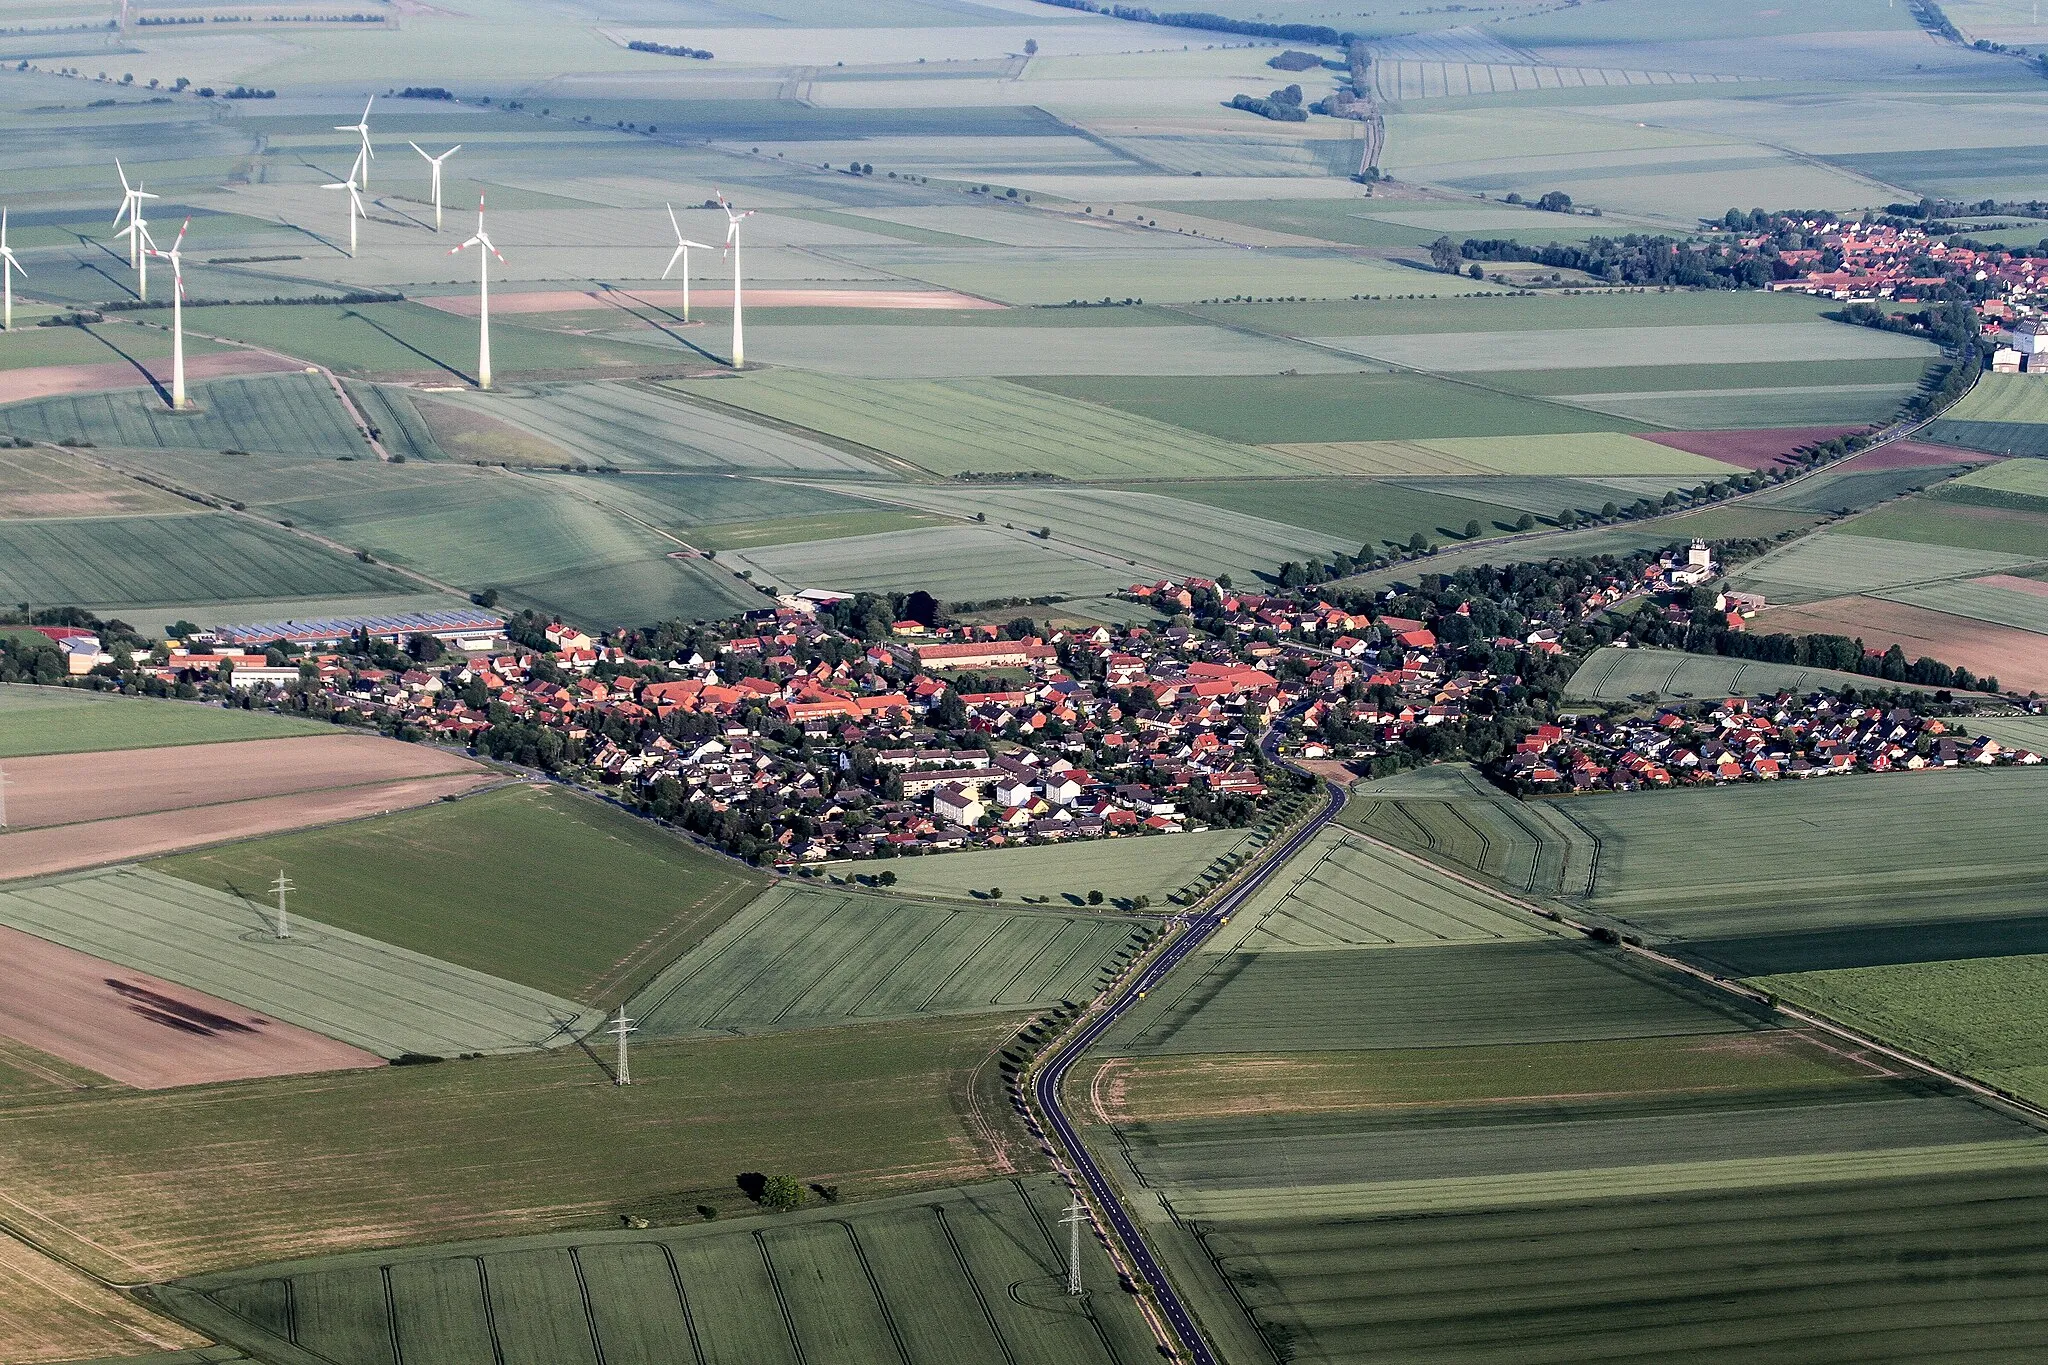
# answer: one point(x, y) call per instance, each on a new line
point(463, 627)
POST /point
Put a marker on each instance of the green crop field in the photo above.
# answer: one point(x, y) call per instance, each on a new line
point(967, 1274)
point(1288, 409)
point(987, 425)
point(1168, 274)
point(173, 561)
point(1978, 601)
point(289, 413)
point(636, 426)
point(1550, 991)
point(54, 720)
point(1974, 1016)
point(53, 483)
point(1639, 379)
point(1517, 312)
point(110, 343)
point(2026, 477)
point(396, 419)
point(2003, 414)
point(1452, 815)
point(1119, 868)
point(808, 958)
point(1789, 345)
point(1781, 860)
point(1623, 675)
point(494, 1146)
point(1931, 519)
point(1848, 490)
point(1592, 455)
point(867, 521)
point(962, 564)
point(410, 338)
point(556, 891)
point(1341, 892)
point(378, 997)
point(1863, 558)
point(1353, 511)
point(682, 503)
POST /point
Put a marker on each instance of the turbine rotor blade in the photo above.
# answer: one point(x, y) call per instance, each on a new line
point(672, 261)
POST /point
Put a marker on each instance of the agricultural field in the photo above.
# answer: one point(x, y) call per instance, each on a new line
point(1342, 892)
point(1595, 454)
point(809, 958)
point(290, 413)
point(559, 892)
point(47, 483)
point(1454, 816)
point(2000, 599)
point(50, 1312)
point(2018, 659)
point(1775, 344)
point(496, 1146)
point(174, 562)
point(973, 1273)
point(989, 426)
point(356, 990)
point(1861, 559)
point(1620, 676)
point(1122, 869)
point(890, 352)
point(1354, 511)
point(1934, 518)
point(965, 563)
point(2003, 415)
point(52, 720)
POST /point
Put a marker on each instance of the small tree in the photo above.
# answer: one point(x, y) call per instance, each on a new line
point(995, 893)
point(886, 879)
point(1443, 254)
point(1525, 522)
point(1095, 898)
point(1472, 529)
point(782, 1193)
point(1031, 47)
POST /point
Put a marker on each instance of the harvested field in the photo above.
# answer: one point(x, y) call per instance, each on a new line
point(495, 1146)
point(49, 1312)
point(1167, 1089)
point(1916, 455)
point(143, 1031)
point(566, 301)
point(1750, 449)
point(53, 381)
point(66, 848)
point(73, 788)
point(371, 995)
point(2017, 658)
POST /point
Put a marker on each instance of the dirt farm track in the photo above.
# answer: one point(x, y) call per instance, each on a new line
point(82, 810)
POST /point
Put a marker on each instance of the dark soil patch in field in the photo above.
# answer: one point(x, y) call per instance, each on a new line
point(1750, 449)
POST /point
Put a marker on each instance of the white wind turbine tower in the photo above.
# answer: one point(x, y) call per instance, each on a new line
point(178, 403)
point(361, 128)
point(355, 202)
point(482, 243)
point(682, 253)
point(9, 267)
point(435, 162)
point(732, 244)
point(131, 209)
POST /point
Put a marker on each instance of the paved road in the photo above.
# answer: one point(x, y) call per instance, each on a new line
point(1053, 1074)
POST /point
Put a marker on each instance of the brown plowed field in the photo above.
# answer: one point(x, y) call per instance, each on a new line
point(143, 1031)
point(2033, 587)
point(2017, 658)
point(1914, 455)
point(68, 848)
point(63, 789)
point(1749, 449)
point(49, 381)
point(575, 301)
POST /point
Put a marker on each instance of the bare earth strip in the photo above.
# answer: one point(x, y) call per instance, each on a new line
point(50, 381)
point(2033, 587)
point(70, 848)
point(49, 1312)
point(2017, 658)
point(62, 789)
point(568, 301)
point(146, 1032)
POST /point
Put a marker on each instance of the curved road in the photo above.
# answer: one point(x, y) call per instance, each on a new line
point(1052, 1075)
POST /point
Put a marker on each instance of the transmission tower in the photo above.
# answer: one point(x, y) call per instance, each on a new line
point(1077, 1214)
point(620, 1028)
point(281, 886)
point(4, 781)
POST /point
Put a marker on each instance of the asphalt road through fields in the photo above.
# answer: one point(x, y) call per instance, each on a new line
point(1052, 1076)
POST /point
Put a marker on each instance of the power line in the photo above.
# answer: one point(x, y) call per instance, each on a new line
point(1077, 1213)
point(5, 781)
point(281, 886)
point(620, 1028)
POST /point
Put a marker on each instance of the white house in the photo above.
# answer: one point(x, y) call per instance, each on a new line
point(956, 803)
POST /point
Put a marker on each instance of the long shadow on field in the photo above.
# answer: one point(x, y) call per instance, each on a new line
point(602, 1065)
point(435, 361)
point(96, 268)
point(140, 368)
point(611, 298)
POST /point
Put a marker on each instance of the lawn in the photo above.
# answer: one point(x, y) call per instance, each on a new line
point(288, 413)
point(803, 957)
point(39, 720)
point(1616, 676)
point(965, 1274)
point(1467, 994)
point(364, 992)
point(987, 425)
point(493, 1146)
point(557, 891)
point(173, 561)
point(1269, 409)
point(1119, 868)
point(1976, 1016)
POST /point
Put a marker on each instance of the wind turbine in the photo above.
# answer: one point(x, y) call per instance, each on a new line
point(137, 229)
point(482, 242)
point(682, 253)
point(732, 244)
point(355, 201)
point(8, 269)
point(435, 162)
point(178, 403)
point(361, 127)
